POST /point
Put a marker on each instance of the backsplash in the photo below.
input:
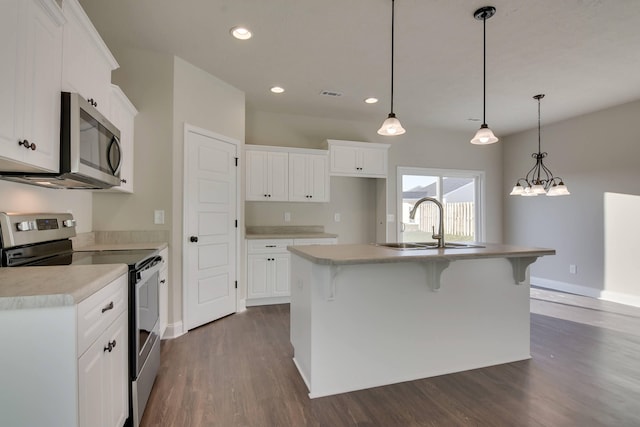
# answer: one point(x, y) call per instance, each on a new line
point(116, 237)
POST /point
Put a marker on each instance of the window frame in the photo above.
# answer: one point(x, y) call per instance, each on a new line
point(478, 176)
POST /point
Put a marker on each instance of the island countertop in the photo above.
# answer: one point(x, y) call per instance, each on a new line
point(346, 254)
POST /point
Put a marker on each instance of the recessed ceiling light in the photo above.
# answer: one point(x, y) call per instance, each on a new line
point(277, 89)
point(241, 33)
point(371, 100)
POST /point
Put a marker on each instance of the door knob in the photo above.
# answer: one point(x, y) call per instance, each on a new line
point(194, 239)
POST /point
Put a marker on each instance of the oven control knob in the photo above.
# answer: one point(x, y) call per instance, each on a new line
point(69, 223)
point(26, 226)
point(194, 239)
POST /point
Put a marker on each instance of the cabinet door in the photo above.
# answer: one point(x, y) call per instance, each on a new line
point(258, 276)
point(122, 115)
point(318, 178)
point(31, 34)
point(103, 394)
point(280, 265)
point(308, 178)
point(91, 385)
point(278, 176)
point(343, 160)
point(256, 175)
point(86, 62)
point(164, 298)
point(298, 178)
point(117, 374)
point(373, 161)
point(11, 79)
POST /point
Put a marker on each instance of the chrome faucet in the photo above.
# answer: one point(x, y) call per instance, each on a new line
point(440, 236)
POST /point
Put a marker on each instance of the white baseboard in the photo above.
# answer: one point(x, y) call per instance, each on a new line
point(621, 298)
point(586, 291)
point(174, 330)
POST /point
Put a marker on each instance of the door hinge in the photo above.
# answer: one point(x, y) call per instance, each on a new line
point(236, 161)
point(236, 223)
point(236, 284)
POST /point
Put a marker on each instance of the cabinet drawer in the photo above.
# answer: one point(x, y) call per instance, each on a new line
point(268, 246)
point(98, 311)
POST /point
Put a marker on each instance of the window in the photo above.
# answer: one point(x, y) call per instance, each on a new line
point(459, 191)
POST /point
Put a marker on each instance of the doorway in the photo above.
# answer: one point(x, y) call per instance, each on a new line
point(210, 230)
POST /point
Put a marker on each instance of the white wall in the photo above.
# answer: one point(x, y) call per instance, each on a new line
point(15, 197)
point(205, 101)
point(419, 147)
point(167, 92)
point(147, 80)
point(595, 154)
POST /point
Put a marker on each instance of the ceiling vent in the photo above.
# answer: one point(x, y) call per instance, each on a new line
point(333, 93)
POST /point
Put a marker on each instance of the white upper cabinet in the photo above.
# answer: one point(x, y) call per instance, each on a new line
point(86, 62)
point(267, 175)
point(122, 114)
point(31, 48)
point(362, 159)
point(308, 177)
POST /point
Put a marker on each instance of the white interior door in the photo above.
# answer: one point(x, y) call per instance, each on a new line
point(210, 227)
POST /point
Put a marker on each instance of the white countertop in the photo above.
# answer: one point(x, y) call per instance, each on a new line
point(53, 286)
point(372, 254)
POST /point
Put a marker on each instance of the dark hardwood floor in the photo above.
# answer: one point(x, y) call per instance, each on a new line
point(238, 371)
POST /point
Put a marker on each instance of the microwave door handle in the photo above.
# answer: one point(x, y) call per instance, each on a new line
point(115, 169)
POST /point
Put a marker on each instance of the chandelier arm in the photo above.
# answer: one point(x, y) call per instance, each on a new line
point(531, 174)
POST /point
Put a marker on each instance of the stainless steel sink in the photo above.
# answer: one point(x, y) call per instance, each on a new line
point(403, 246)
point(448, 245)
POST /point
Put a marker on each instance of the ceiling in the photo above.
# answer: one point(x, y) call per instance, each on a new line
point(583, 54)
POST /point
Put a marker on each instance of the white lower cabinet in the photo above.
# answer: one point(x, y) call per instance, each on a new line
point(67, 365)
point(268, 269)
point(103, 390)
point(163, 298)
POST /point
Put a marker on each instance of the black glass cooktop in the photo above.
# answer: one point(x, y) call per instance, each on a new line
point(133, 258)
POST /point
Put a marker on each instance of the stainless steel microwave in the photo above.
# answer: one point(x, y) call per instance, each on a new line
point(90, 151)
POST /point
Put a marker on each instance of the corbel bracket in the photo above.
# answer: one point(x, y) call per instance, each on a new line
point(520, 265)
point(434, 270)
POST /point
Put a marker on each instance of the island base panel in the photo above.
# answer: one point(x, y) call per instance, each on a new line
point(366, 325)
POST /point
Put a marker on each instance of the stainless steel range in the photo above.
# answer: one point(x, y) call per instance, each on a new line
point(44, 239)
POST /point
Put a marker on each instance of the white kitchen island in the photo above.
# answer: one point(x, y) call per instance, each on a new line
point(364, 315)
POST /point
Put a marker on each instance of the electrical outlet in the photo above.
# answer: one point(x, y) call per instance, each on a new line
point(573, 269)
point(158, 216)
point(336, 217)
point(287, 216)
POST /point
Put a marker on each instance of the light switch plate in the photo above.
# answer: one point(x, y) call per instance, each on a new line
point(158, 216)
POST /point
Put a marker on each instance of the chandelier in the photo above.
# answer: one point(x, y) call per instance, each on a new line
point(539, 179)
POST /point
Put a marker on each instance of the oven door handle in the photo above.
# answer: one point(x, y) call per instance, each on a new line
point(149, 269)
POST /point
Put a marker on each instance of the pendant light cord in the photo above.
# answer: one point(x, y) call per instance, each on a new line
point(484, 70)
point(393, 8)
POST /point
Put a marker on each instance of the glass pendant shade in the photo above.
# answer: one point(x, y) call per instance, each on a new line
point(517, 190)
point(391, 126)
point(558, 190)
point(538, 189)
point(484, 136)
point(528, 192)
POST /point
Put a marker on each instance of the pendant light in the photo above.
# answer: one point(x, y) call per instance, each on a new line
point(539, 179)
point(484, 135)
point(391, 126)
